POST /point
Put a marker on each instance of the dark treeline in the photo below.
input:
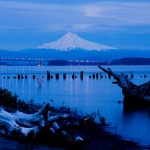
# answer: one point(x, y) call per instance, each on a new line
point(122, 61)
point(75, 62)
point(58, 63)
point(4, 64)
point(131, 61)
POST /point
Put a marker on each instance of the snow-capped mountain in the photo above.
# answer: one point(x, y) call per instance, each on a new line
point(72, 41)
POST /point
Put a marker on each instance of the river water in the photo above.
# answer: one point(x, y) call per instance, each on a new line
point(87, 95)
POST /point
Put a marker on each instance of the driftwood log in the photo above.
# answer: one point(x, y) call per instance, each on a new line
point(29, 126)
point(134, 95)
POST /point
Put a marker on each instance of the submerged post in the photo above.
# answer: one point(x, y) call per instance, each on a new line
point(73, 76)
point(57, 75)
point(18, 76)
point(93, 76)
point(81, 75)
point(34, 76)
point(96, 75)
point(26, 76)
point(48, 75)
point(64, 75)
point(101, 76)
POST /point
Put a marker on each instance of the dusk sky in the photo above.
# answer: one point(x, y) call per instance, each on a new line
point(117, 23)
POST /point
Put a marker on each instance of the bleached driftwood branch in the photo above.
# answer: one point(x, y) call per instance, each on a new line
point(23, 125)
point(136, 94)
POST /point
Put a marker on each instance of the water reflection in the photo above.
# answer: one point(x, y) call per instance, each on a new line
point(87, 95)
point(137, 122)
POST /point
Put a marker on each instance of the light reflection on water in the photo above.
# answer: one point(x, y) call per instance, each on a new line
point(87, 95)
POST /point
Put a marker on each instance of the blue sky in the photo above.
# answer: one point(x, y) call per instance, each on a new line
point(30, 23)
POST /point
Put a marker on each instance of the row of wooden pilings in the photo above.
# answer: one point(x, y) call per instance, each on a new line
point(73, 76)
point(49, 76)
point(93, 76)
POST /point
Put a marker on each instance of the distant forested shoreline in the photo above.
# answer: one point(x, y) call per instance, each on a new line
point(61, 62)
point(122, 61)
point(131, 61)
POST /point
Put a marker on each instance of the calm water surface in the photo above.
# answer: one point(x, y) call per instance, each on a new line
point(87, 95)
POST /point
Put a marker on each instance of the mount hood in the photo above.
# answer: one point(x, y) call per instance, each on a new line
point(72, 41)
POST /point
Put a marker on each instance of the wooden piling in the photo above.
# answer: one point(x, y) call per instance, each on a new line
point(96, 75)
point(57, 75)
point(22, 76)
point(93, 76)
point(81, 75)
point(64, 75)
point(33, 76)
point(48, 75)
point(18, 76)
point(101, 76)
point(73, 76)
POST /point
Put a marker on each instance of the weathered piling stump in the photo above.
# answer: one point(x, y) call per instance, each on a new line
point(81, 75)
point(93, 76)
point(96, 75)
point(101, 76)
point(33, 76)
point(90, 76)
point(22, 76)
point(51, 76)
point(64, 75)
point(57, 75)
point(48, 75)
point(73, 76)
point(26, 76)
point(18, 76)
